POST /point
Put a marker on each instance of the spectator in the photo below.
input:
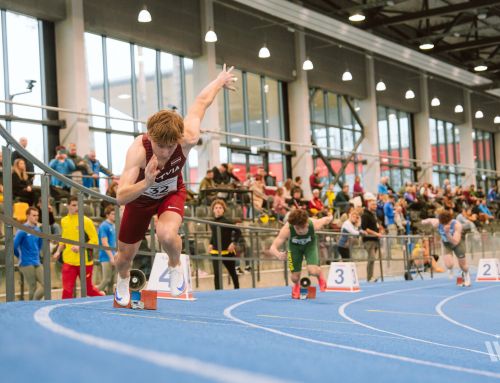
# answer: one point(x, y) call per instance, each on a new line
point(467, 219)
point(259, 194)
point(349, 228)
point(111, 192)
point(206, 184)
point(315, 180)
point(369, 223)
point(483, 209)
point(71, 253)
point(229, 237)
point(298, 184)
point(315, 205)
point(383, 189)
point(221, 175)
point(63, 165)
point(342, 199)
point(80, 164)
point(107, 237)
point(280, 207)
point(288, 189)
point(54, 226)
point(493, 194)
point(27, 248)
point(330, 197)
point(389, 215)
point(400, 219)
point(96, 168)
point(23, 141)
point(357, 189)
point(296, 200)
point(232, 176)
point(22, 186)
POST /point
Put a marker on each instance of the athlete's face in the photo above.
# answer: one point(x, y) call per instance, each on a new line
point(162, 151)
point(301, 229)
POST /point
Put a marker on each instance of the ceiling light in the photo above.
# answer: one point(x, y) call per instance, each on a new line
point(356, 17)
point(144, 15)
point(210, 36)
point(357, 108)
point(480, 68)
point(380, 86)
point(392, 116)
point(482, 15)
point(426, 46)
point(307, 65)
point(435, 102)
point(264, 52)
point(235, 139)
point(459, 108)
point(347, 76)
point(409, 94)
point(496, 120)
point(124, 96)
point(456, 34)
point(479, 114)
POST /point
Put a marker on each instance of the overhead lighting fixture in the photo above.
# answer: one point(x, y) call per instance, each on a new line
point(479, 114)
point(307, 65)
point(409, 94)
point(210, 36)
point(347, 76)
point(235, 139)
point(426, 46)
point(380, 87)
point(496, 120)
point(144, 15)
point(264, 52)
point(480, 68)
point(459, 108)
point(435, 102)
point(357, 108)
point(124, 96)
point(357, 17)
point(482, 15)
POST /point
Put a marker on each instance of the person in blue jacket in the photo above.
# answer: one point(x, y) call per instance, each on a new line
point(27, 248)
point(96, 167)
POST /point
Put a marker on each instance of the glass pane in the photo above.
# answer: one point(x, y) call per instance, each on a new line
point(236, 123)
point(24, 63)
point(383, 136)
point(145, 74)
point(335, 143)
point(393, 131)
point(192, 167)
point(100, 147)
point(188, 80)
point(120, 89)
point(273, 120)
point(95, 74)
point(118, 143)
point(256, 125)
point(346, 114)
point(34, 134)
point(318, 108)
point(171, 86)
point(442, 144)
point(2, 84)
point(276, 166)
point(333, 110)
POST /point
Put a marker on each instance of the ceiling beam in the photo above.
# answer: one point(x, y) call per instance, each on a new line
point(440, 11)
point(473, 44)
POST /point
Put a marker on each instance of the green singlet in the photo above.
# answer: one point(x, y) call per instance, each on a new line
point(302, 246)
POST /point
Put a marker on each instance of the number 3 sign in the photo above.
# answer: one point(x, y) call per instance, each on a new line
point(343, 277)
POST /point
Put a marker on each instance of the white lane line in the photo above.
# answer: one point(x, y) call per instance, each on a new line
point(304, 319)
point(347, 317)
point(228, 312)
point(439, 310)
point(217, 373)
point(401, 313)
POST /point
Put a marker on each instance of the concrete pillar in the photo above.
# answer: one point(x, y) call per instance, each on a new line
point(370, 144)
point(466, 143)
point(204, 71)
point(72, 84)
point(497, 152)
point(300, 125)
point(423, 150)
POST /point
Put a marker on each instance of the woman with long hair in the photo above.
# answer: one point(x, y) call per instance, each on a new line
point(22, 187)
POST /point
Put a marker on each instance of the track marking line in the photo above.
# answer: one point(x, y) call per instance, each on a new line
point(304, 319)
point(400, 313)
point(228, 313)
point(439, 310)
point(347, 317)
point(180, 363)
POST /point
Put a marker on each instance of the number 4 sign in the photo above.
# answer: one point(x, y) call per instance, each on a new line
point(159, 279)
point(488, 270)
point(343, 277)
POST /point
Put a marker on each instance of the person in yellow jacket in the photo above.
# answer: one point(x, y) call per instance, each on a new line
point(71, 253)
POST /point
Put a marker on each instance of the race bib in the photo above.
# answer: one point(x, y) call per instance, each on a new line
point(161, 189)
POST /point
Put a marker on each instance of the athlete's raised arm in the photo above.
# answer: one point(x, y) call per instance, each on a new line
point(128, 190)
point(196, 112)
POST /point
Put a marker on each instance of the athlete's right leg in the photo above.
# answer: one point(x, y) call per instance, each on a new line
point(296, 286)
point(123, 262)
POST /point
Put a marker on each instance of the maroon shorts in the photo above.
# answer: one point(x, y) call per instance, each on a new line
point(137, 217)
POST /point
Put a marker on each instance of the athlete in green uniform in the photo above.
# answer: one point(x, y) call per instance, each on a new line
point(300, 231)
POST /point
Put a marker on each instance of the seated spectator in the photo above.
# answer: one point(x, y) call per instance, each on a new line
point(23, 141)
point(206, 184)
point(280, 207)
point(316, 208)
point(259, 194)
point(480, 192)
point(221, 175)
point(400, 220)
point(22, 185)
point(410, 195)
point(493, 194)
point(483, 210)
point(296, 200)
point(96, 168)
point(349, 228)
point(315, 180)
point(467, 219)
point(287, 189)
point(342, 199)
point(80, 164)
point(65, 166)
point(357, 189)
point(298, 184)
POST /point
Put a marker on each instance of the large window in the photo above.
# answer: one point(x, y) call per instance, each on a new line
point(255, 109)
point(127, 82)
point(445, 141)
point(395, 135)
point(336, 131)
point(484, 156)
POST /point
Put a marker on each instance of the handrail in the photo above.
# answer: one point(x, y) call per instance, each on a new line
point(48, 170)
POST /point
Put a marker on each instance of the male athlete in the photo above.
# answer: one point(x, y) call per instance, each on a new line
point(302, 243)
point(151, 183)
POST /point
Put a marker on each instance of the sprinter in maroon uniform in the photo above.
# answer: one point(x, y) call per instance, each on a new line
point(152, 183)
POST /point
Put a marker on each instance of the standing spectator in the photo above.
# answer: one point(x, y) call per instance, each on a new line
point(232, 176)
point(63, 165)
point(369, 223)
point(71, 255)
point(315, 180)
point(96, 168)
point(330, 197)
point(389, 215)
point(229, 237)
point(349, 228)
point(206, 184)
point(221, 175)
point(22, 186)
point(107, 237)
point(357, 189)
point(27, 248)
point(23, 141)
point(342, 198)
point(383, 189)
point(80, 163)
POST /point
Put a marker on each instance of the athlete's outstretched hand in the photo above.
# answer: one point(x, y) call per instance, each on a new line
point(151, 170)
point(227, 78)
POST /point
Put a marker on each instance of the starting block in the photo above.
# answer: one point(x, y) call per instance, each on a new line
point(139, 299)
point(159, 279)
point(343, 277)
point(306, 290)
point(488, 270)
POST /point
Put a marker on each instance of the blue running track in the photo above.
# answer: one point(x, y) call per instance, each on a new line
point(419, 331)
